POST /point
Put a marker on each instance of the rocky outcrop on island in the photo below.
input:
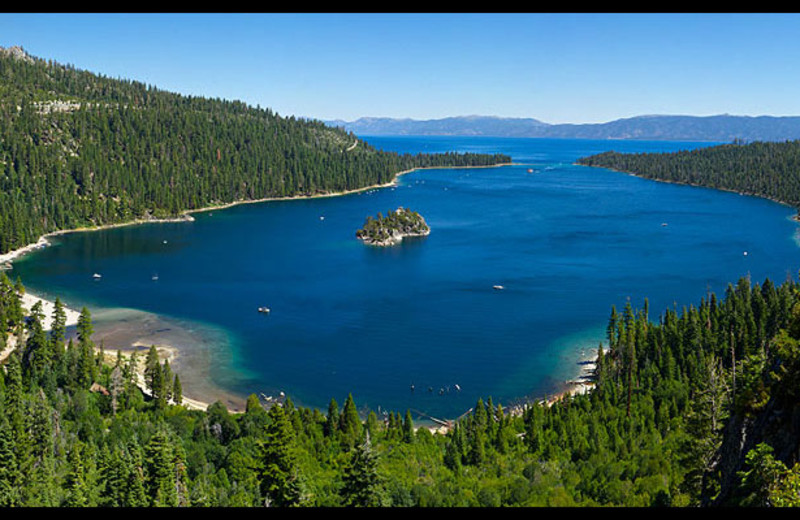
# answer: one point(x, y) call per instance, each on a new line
point(390, 230)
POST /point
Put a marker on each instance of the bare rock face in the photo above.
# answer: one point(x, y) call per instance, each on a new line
point(777, 424)
point(17, 52)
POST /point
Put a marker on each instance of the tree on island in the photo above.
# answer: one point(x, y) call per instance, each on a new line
point(391, 229)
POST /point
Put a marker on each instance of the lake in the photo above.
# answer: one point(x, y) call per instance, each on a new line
point(565, 241)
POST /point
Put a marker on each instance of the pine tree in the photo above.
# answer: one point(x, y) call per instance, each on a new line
point(454, 452)
point(177, 391)
point(332, 422)
point(37, 357)
point(280, 483)
point(18, 417)
point(612, 328)
point(180, 477)
point(476, 449)
point(135, 480)
point(77, 491)
point(705, 419)
point(408, 428)
point(160, 471)
point(501, 432)
point(111, 473)
point(9, 471)
point(58, 330)
point(350, 423)
point(129, 378)
point(87, 367)
point(166, 381)
point(154, 377)
point(361, 482)
point(630, 352)
point(84, 328)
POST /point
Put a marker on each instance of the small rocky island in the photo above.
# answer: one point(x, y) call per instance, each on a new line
point(390, 230)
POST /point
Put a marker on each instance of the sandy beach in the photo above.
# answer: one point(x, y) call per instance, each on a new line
point(165, 352)
point(28, 301)
point(48, 307)
point(191, 353)
point(9, 257)
point(129, 335)
point(129, 331)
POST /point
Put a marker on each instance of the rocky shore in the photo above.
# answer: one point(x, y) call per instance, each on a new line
point(391, 229)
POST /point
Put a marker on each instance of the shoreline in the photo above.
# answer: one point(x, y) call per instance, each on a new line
point(136, 343)
point(795, 217)
point(165, 351)
point(582, 383)
point(7, 259)
point(235, 404)
point(28, 300)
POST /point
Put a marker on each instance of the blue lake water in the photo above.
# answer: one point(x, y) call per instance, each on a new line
point(566, 241)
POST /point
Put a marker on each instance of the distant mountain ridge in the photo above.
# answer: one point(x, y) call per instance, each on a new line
point(462, 125)
point(718, 128)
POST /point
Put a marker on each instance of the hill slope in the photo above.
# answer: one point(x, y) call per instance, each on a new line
point(79, 149)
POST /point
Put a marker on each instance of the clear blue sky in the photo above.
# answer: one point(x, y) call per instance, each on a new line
point(559, 68)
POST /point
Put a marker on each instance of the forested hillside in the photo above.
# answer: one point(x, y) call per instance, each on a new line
point(765, 169)
point(697, 407)
point(79, 149)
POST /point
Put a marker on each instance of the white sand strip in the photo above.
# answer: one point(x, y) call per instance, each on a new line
point(48, 307)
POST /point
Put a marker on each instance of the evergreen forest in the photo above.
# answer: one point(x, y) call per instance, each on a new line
point(695, 406)
point(78, 149)
point(764, 169)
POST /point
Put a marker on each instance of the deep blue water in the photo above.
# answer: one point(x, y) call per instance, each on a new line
point(566, 241)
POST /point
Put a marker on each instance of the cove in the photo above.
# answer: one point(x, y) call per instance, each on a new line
point(566, 242)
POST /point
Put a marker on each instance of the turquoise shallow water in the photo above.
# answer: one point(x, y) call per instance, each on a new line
point(566, 241)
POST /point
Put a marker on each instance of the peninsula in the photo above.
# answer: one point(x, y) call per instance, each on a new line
point(390, 230)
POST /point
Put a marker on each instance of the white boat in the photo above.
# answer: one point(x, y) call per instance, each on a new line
point(265, 310)
point(96, 276)
point(498, 287)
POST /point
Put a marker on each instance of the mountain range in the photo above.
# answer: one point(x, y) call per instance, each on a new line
point(718, 128)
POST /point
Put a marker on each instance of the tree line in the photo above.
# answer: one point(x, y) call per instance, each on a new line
point(80, 149)
point(764, 169)
point(692, 408)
